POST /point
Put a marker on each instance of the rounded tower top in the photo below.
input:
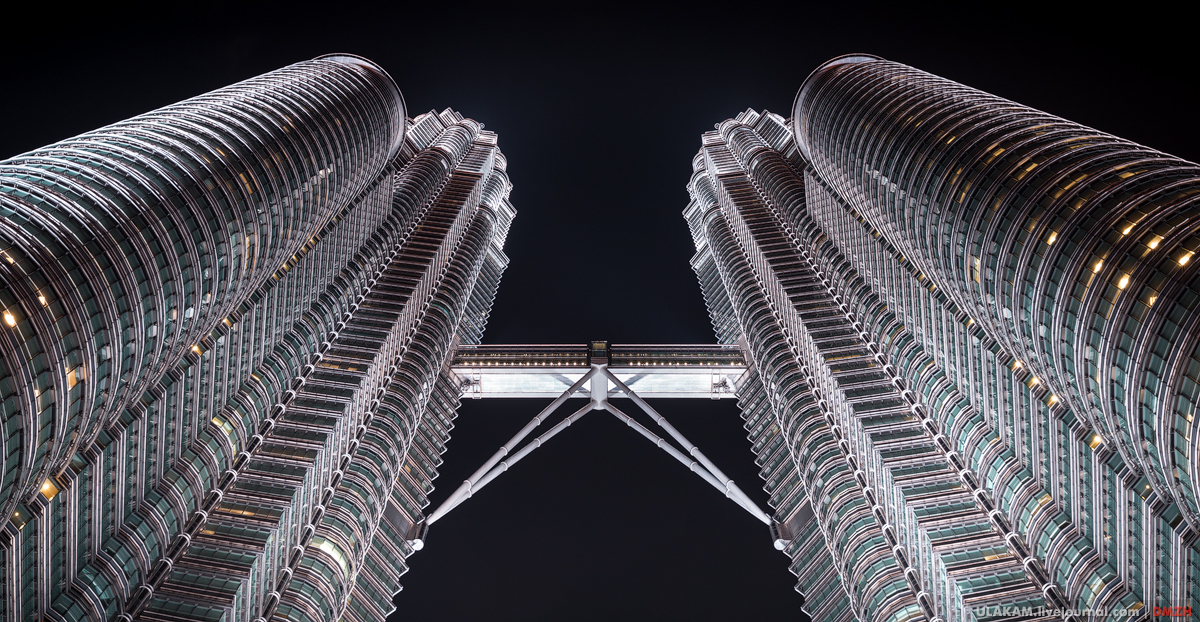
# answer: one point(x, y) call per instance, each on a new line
point(845, 59)
point(386, 82)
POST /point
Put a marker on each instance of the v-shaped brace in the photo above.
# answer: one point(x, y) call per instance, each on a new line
point(599, 374)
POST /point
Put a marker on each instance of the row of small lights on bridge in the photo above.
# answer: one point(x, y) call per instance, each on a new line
point(559, 363)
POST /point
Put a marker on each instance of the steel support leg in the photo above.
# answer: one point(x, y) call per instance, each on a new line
point(692, 465)
point(465, 488)
point(692, 450)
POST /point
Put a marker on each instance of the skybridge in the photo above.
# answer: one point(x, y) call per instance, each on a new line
point(652, 371)
point(599, 371)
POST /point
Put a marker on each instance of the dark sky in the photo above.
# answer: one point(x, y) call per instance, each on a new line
point(599, 114)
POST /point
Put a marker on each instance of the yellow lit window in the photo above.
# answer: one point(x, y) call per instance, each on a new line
point(49, 489)
point(75, 376)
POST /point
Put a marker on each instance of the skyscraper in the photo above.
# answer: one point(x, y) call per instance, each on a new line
point(223, 354)
point(974, 334)
point(234, 331)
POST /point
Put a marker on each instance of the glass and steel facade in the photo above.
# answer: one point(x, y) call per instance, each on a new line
point(225, 330)
point(962, 334)
point(974, 326)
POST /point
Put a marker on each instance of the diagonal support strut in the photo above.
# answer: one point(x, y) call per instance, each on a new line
point(732, 489)
point(496, 470)
point(692, 465)
point(694, 460)
point(465, 488)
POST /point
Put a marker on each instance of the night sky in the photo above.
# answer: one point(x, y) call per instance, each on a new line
point(599, 113)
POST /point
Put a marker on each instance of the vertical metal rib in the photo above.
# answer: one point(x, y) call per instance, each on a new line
point(121, 249)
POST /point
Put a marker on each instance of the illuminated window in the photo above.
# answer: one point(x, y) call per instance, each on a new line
point(333, 551)
point(49, 489)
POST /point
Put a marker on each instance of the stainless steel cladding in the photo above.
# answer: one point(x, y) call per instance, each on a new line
point(975, 327)
point(124, 247)
point(1071, 247)
point(225, 329)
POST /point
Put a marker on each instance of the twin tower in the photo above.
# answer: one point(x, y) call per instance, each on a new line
point(235, 331)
